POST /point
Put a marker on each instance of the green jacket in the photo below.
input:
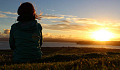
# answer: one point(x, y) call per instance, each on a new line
point(26, 40)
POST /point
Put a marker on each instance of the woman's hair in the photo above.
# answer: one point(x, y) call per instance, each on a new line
point(26, 12)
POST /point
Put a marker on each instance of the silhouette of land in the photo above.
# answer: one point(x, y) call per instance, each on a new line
point(48, 40)
point(83, 42)
point(113, 43)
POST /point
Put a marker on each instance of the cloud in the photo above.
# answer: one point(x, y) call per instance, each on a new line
point(85, 19)
point(47, 35)
point(3, 16)
point(82, 20)
point(50, 10)
point(89, 21)
point(50, 35)
point(79, 24)
point(69, 16)
point(51, 17)
point(8, 13)
point(5, 34)
point(64, 27)
point(63, 21)
point(6, 31)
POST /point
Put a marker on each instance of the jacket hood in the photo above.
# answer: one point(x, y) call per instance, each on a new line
point(27, 25)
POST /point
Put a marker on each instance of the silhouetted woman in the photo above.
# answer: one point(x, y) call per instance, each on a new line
point(26, 35)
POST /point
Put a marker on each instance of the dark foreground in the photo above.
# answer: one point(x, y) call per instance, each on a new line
point(66, 58)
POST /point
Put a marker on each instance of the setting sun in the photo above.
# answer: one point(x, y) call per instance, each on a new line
point(102, 35)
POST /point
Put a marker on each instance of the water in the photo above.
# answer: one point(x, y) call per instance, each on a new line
point(5, 45)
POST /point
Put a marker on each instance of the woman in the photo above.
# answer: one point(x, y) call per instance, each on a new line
point(26, 35)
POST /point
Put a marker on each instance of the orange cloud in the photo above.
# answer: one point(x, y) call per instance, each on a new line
point(3, 35)
point(3, 16)
point(68, 27)
point(6, 31)
point(50, 35)
point(82, 20)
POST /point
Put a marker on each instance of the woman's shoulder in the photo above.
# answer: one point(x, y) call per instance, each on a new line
point(39, 25)
point(13, 25)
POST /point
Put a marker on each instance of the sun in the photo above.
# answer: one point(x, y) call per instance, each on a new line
point(102, 35)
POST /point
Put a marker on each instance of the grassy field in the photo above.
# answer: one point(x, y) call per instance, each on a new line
point(66, 58)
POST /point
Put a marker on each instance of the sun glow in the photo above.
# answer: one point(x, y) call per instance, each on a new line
point(102, 35)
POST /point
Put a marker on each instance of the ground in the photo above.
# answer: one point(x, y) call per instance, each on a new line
point(66, 58)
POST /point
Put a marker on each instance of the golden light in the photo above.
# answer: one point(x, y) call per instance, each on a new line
point(102, 35)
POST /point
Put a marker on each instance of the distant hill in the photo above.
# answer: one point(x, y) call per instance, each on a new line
point(48, 40)
point(114, 43)
point(59, 40)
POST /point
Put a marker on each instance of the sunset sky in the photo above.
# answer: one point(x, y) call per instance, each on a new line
point(72, 19)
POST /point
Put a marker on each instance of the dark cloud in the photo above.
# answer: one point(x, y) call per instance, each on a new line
point(63, 21)
point(85, 19)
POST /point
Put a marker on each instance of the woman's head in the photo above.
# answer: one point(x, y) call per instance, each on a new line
point(26, 12)
point(26, 9)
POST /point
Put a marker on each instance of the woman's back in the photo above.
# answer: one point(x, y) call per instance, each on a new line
point(26, 35)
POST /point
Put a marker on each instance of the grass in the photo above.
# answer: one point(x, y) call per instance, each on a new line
point(66, 58)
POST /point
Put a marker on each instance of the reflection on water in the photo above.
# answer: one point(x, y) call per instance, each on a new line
point(5, 45)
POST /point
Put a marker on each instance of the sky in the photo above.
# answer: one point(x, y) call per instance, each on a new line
point(69, 19)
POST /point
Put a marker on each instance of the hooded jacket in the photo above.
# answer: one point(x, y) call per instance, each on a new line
point(26, 40)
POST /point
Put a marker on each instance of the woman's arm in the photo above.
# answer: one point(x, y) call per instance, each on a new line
point(40, 31)
point(11, 38)
point(41, 38)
